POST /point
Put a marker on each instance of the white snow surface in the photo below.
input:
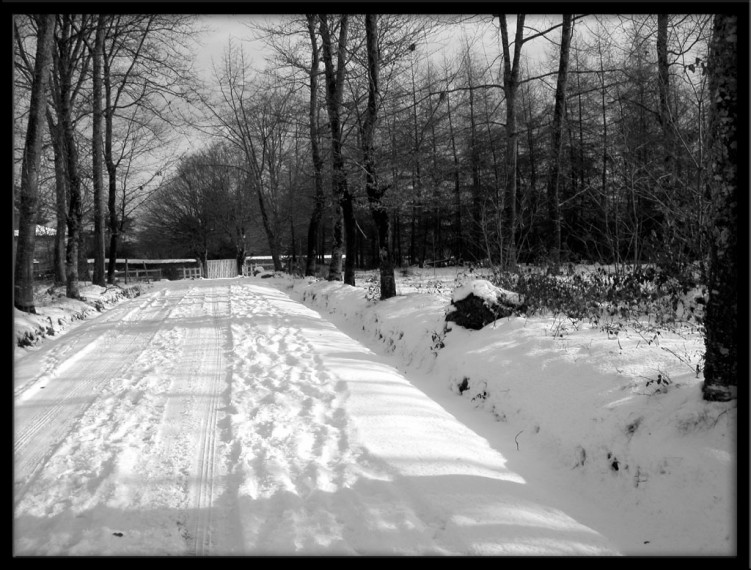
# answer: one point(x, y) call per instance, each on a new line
point(255, 416)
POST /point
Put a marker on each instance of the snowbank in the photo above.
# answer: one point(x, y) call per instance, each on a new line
point(618, 412)
point(410, 326)
point(55, 313)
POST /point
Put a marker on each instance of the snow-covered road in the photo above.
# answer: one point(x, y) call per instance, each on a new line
point(223, 418)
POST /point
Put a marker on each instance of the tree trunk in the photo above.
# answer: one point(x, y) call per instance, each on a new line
point(458, 241)
point(721, 318)
point(29, 192)
point(315, 218)
point(417, 187)
point(374, 191)
point(99, 277)
point(344, 215)
point(510, 88)
point(609, 203)
point(84, 274)
point(113, 223)
point(664, 88)
point(413, 236)
point(511, 164)
point(337, 245)
point(350, 239)
point(61, 199)
point(203, 256)
point(65, 69)
point(111, 176)
point(270, 231)
point(240, 258)
point(396, 244)
point(473, 248)
point(535, 198)
point(554, 202)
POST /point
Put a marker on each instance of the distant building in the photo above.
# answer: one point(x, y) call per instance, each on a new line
point(44, 249)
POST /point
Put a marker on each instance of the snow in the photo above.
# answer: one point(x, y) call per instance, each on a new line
point(255, 416)
point(55, 313)
point(483, 289)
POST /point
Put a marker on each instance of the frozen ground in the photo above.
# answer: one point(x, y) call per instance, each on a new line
point(225, 417)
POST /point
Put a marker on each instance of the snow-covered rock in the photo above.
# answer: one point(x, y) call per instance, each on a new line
point(479, 302)
point(485, 290)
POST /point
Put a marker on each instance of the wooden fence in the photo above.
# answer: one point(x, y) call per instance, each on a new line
point(191, 272)
point(221, 268)
point(130, 275)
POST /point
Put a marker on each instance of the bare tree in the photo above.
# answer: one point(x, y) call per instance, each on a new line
point(374, 189)
point(511, 72)
point(24, 262)
point(344, 221)
point(319, 199)
point(71, 61)
point(253, 114)
point(99, 277)
point(145, 69)
point(554, 206)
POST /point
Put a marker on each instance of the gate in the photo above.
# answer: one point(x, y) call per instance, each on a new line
point(221, 268)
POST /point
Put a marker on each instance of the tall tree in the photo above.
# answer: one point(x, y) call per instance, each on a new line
point(511, 72)
point(663, 76)
point(24, 263)
point(71, 58)
point(318, 200)
point(145, 70)
point(554, 205)
point(374, 190)
point(254, 117)
point(99, 277)
point(721, 319)
point(344, 221)
point(126, 39)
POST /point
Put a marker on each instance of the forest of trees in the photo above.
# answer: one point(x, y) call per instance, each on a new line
point(565, 139)
point(607, 127)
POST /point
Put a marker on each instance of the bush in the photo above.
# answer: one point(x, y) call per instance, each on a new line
point(599, 295)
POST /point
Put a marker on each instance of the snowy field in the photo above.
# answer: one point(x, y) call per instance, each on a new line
point(256, 416)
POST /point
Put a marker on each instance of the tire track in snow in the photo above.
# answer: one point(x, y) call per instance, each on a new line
point(40, 424)
point(180, 470)
point(215, 370)
point(53, 355)
point(147, 449)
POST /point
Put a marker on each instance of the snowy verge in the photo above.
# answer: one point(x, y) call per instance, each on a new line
point(619, 413)
point(55, 312)
point(409, 326)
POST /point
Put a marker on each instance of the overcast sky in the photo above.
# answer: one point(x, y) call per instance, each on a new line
point(222, 27)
